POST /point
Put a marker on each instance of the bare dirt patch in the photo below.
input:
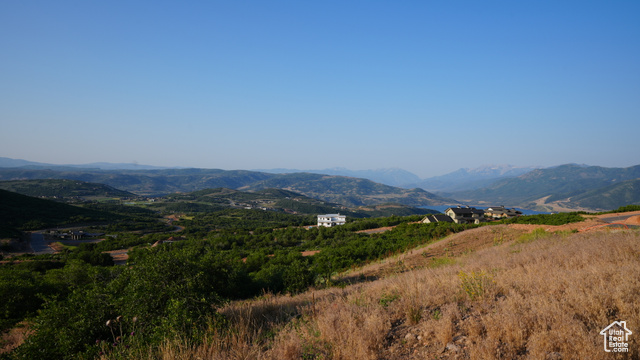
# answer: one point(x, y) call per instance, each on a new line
point(634, 220)
point(376, 231)
point(310, 252)
point(120, 257)
point(14, 337)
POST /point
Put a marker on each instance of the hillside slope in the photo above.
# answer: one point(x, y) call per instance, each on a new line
point(337, 189)
point(469, 179)
point(511, 295)
point(391, 177)
point(349, 191)
point(60, 189)
point(554, 184)
point(609, 197)
point(275, 199)
point(28, 213)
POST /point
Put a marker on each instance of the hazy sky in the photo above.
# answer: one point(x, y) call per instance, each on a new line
point(427, 86)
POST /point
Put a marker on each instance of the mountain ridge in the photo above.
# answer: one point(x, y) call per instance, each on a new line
point(388, 176)
point(160, 182)
point(470, 178)
point(557, 184)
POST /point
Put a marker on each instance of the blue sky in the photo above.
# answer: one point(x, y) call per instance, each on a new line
point(427, 86)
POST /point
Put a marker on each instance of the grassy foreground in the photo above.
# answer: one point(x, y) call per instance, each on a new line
point(546, 296)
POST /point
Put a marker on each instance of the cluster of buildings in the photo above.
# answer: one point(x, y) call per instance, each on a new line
point(458, 215)
point(470, 215)
point(73, 235)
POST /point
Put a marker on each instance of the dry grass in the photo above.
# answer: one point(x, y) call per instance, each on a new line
point(543, 298)
point(14, 337)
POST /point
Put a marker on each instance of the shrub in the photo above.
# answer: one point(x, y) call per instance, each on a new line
point(546, 219)
point(475, 284)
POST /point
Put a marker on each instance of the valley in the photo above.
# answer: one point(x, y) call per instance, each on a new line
point(236, 273)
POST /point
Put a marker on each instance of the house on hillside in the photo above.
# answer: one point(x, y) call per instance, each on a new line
point(437, 218)
point(330, 220)
point(500, 212)
point(465, 215)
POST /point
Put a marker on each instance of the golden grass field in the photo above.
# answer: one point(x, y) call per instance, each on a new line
point(497, 292)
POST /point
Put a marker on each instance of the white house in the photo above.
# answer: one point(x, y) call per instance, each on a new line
point(330, 220)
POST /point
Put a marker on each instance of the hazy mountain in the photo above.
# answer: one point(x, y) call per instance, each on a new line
point(392, 177)
point(469, 179)
point(62, 189)
point(9, 163)
point(349, 191)
point(18, 163)
point(571, 181)
point(338, 189)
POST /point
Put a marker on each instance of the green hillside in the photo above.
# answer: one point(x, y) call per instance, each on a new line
point(23, 212)
point(63, 189)
point(336, 189)
point(558, 183)
point(210, 200)
point(349, 191)
point(610, 197)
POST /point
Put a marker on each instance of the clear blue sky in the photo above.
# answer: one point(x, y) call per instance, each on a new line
point(427, 86)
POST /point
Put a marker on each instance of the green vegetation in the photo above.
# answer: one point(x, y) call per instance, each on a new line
point(63, 189)
point(627, 208)
point(172, 289)
point(546, 219)
point(335, 189)
point(592, 187)
point(608, 197)
point(216, 254)
point(476, 283)
point(536, 234)
point(27, 213)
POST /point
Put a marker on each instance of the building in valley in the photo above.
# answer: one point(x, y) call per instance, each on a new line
point(330, 220)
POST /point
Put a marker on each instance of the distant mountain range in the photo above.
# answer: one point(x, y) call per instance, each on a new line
point(392, 177)
point(462, 179)
point(561, 188)
point(63, 189)
point(568, 186)
point(343, 190)
point(469, 179)
point(14, 163)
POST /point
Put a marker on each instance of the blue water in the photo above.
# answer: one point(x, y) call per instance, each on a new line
point(442, 208)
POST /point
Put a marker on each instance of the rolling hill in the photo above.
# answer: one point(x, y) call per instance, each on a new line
point(391, 177)
point(575, 186)
point(469, 179)
point(349, 191)
point(278, 200)
point(609, 197)
point(337, 189)
point(63, 189)
point(21, 212)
